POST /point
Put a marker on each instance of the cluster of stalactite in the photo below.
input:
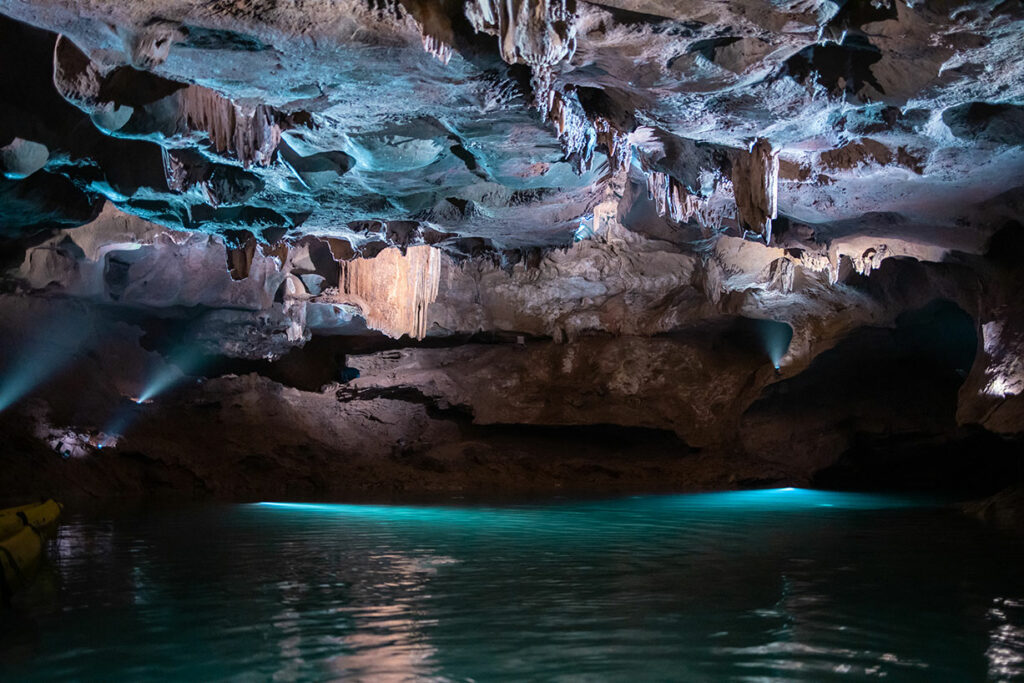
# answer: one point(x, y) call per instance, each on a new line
point(671, 198)
point(577, 134)
point(615, 141)
point(393, 289)
point(539, 33)
point(437, 48)
point(250, 135)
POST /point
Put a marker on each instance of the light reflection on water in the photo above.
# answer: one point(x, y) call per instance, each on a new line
point(768, 585)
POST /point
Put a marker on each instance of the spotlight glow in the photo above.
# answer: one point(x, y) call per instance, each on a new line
point(171, 372)
point(177, 368)
point(123, 417)
point(47, 351)
point(165, 378)
point(775, 338)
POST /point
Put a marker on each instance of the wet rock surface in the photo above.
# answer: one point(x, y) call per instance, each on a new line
point(320, 248)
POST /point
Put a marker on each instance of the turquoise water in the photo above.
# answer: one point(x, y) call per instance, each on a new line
point(752, 586)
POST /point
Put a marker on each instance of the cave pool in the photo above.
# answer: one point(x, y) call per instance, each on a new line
point(781, 584)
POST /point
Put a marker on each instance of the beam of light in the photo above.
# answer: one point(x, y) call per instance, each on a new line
point(123, 417)
point(46, 351)
point(164, 379)
point(173, 371)
point(775, 338)
point(179, 365)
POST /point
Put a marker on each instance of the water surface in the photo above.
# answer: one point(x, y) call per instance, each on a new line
point(751, 586)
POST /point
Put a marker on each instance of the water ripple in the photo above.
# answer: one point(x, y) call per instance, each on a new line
point(784, 585)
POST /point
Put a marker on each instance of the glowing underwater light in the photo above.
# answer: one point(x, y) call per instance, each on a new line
point(550, 517)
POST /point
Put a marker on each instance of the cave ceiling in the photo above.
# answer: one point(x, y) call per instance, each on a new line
point(502, 126)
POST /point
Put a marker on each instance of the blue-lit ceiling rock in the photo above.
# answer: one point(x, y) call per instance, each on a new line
point(503, 121)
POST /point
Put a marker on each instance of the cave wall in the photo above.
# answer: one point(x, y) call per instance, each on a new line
point(621, 363)
point(324, 247)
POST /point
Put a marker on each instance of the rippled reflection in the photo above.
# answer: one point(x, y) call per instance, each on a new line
point(768, 585)
point(1006, 644)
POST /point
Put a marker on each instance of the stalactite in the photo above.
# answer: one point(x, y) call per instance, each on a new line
point(580, 135)
point(538, 33)
point(672, 199)
point(240, 259)
point(577, 134)
point(437, 48)
point(175, 171)
point(615, 141)
point(755, 179)
point(393, 290)
point(251, 135)
point(871, 259)
point(781, 273)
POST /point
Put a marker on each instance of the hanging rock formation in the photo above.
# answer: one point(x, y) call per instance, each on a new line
point(251, 136)
point(394, 290)
point(538, 33)
point(755, 181)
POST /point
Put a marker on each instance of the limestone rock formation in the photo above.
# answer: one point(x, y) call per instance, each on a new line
point(733, 242)
point(755, 182)
point(393, 290)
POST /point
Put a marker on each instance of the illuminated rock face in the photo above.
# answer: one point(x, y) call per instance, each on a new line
point(435, 221)
point(393, 290)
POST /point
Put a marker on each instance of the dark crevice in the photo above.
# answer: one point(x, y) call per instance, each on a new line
point(837, 68)
point(321, 361)
point(878, 391)
point(737, 336)
point(1001, 124)
point(1006, 246)
point(606, 438)
point(201, 38)
point(971, 463)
